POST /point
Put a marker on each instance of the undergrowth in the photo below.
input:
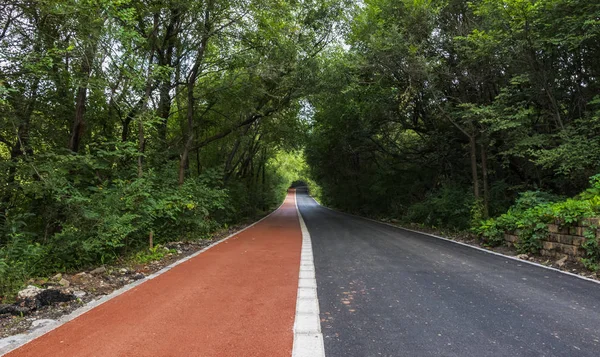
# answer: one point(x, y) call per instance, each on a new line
point(534, 211)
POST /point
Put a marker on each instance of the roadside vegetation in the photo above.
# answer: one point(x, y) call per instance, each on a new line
point(128, 124)
point(534, 211)
point(448, 113)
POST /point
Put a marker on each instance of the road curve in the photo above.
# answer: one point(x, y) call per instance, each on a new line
point(236, 299)
point(384, 291)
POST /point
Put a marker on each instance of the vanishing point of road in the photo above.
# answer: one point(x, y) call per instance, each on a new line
point(382, 291)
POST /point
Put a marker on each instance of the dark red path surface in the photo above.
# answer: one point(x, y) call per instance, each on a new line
point(236, 299)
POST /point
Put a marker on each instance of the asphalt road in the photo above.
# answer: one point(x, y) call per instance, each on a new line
point(388, 292)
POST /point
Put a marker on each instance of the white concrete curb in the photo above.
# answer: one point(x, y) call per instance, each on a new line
point(466, 245)
point(11, 343)
point(308, 339)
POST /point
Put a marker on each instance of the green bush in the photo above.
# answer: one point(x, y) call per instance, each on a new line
point(530, 199)
point(103, 222)
point(80, 213)
point(450, 206)
point(77, 211)
point(19, 259)
point(151, 254)
point(532, 213)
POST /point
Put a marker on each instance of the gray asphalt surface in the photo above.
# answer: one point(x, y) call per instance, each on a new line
point(388, 292)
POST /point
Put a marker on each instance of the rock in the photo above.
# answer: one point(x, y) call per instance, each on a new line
point(79, 294)
point(51, 296)
point(64, 283)
point(49, 284)
point(30, 292)
point(41, 323)
point(138, 276)
point(173, 245)
point(57, 277)
point(179, 251)
point(561, 262)
point(6, 309)
point(523, 256)
point(124, 270)
point(97, 271)
point(15, 310)
point(81, 278)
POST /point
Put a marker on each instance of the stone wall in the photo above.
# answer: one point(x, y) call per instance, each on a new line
point(562, 240)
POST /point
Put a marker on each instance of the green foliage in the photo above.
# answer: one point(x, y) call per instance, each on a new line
point(491, 96)
point(532, 213)
point(89, 220)
point(491, 231)
point(592, 249)
point(590, 264)
point(118, 118)
point(152, 254)
point(530, 199)
point(19, 258)
point(450, 206)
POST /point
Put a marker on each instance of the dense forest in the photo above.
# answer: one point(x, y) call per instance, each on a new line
point(446, 112)
point(125, 119)
point(121, 120)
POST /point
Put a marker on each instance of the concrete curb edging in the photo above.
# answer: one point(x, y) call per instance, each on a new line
point(308, 339)
point(11, 343)
point(466, 245)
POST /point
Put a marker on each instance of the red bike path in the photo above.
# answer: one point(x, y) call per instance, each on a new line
point(236, 299)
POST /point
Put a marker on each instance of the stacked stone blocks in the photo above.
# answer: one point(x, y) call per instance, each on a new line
point(563, 240)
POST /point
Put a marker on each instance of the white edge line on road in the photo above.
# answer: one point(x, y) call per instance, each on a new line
point(11, 343)
point(466, 245)
point(308, 339)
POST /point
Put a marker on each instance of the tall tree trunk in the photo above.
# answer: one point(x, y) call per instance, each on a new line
point(141, 147)
point(191, 85)
point(20, 147)
point(264, 178)
point(145, 99)
point(78, 127)
point(164, 110)
point(129, 118)
point(228, 167)
point(484, 172)
point(165, 59)
point(184, 163)
point(474, 174)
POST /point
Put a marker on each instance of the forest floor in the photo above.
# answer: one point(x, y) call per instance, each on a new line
point(569, 265)
point(90, 285)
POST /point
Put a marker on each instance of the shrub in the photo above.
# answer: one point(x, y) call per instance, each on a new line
point(84, 214)
point(450, 206)
point(19, 259)
point(533, 211)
